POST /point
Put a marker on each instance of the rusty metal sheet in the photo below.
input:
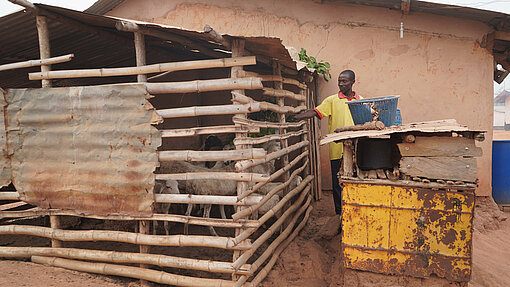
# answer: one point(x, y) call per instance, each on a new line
point(5, 162)
point(89, 149)
point(407, 231)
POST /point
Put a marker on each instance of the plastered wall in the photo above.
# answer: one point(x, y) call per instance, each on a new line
point(438, 68)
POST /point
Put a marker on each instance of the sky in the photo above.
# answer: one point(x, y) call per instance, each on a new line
point(7, 7)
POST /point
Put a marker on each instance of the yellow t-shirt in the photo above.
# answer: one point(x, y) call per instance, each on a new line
point(337, 110)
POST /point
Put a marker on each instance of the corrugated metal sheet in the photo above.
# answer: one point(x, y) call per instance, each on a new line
point(5, 162)
point(89, 149)
point(408, 231)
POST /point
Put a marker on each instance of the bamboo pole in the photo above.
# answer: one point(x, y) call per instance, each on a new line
point(265, 106)
point(220, 155)
point(260, 124)
point(214, 222)
point(243, 165)
point(124, 257)
point(253, 208)
point(206, 199)
point(34, 63)
point(129, 271)
point(274, 176)
point(144, 69)
point(9, 195)
point(44, 45)
point(207, 131)
point(266, 235)
point(303, 193)
point(265, 271)
point(127, 237)
point(237, 48)
point(199, 86)
point(264, 139)
point(280, 93)
point(275, 78)
point(249, 177)
point(12, 205)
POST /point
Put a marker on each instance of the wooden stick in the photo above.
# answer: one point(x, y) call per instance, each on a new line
point(145, 69)
point(199, 86)
point(265, 271)
point(283, 93)
point(260, 124)
point(44, 45)
point(264, 139)
point(129, 271)
point(274, 176)
point(124, 257)
point(34, 63)
point(218, 155)
point(215, 36)
point(144, 229)
point(266, 235)
point(245, 164)
point(249, 177)
point(245, 212)
point(275, 78)
point(348, 157)
point(9, 195)
point(378, 125)
point(207, 131)
point(215, 222)
point(128, 237)
point(12, 205)
point(265, 106)
point(409, 139)
point(206, 199)
point(140, 56)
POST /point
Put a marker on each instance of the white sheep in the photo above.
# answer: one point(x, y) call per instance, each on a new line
point(168, 187)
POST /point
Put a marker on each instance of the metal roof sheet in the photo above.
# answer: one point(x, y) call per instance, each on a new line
point(89, 149)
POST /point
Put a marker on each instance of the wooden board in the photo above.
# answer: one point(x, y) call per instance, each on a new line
point(447, 168)
point(440, 146)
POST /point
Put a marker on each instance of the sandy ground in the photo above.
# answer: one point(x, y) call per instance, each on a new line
point(313, 261)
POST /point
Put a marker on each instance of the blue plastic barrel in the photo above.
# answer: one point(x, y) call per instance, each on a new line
point(501, 172)
point(386, 106)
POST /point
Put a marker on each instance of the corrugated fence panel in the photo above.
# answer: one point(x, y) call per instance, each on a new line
point(5, 162)
point(89, 149)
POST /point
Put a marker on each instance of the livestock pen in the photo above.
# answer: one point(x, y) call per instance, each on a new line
point(120, 146)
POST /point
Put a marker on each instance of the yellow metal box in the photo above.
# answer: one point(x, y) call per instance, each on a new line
point(407, 230)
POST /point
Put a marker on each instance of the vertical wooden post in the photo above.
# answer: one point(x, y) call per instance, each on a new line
point(278, 85)
point(44, 53)
point(44, 45)
point(238, 51)
point(144, 225)
point(348, 156)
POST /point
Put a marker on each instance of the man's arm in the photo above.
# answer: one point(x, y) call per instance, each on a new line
point(306, 114)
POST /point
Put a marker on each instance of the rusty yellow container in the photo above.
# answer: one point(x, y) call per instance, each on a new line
point(407, 230)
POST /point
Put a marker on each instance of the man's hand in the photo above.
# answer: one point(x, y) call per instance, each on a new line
point(306, 115)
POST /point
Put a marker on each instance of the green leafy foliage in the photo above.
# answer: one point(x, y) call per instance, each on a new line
point(321, 67)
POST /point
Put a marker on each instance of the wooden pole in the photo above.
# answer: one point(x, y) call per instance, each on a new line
point(241, 176)
point(131, 272)
point(123, 257)
point(144, 225)
point(188, 132)
point(34, 63)
point(199, 86)
point(44, 52)
point(237, 48)
point(216, 155)
point(241, 121)
point(348, 159)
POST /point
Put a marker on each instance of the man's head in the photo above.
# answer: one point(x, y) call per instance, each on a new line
point(345, 81)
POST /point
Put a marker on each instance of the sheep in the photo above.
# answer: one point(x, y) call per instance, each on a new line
point(169, 187)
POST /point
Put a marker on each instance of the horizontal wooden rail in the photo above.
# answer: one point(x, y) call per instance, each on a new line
point(276, 78)
point(206, 199)
point(127, 237)
point(249, 177)
point(283, 93)
point(131, 272)
point(245, 164)
point(33, 63)
point(199, 86)
point(154, 68)
point(218, 155)
point(9, 195)
point(124, 257)
point(174, 133)
point(260, 124)
point(264, 139)
point(265, 106)
point(214, 222)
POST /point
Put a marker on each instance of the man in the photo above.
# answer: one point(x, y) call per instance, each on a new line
point(337, 110)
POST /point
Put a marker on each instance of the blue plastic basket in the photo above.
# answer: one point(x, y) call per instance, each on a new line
point(398, 118)
point(386, 106)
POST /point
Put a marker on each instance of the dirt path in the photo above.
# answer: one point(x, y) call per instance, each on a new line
point(311, 261)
